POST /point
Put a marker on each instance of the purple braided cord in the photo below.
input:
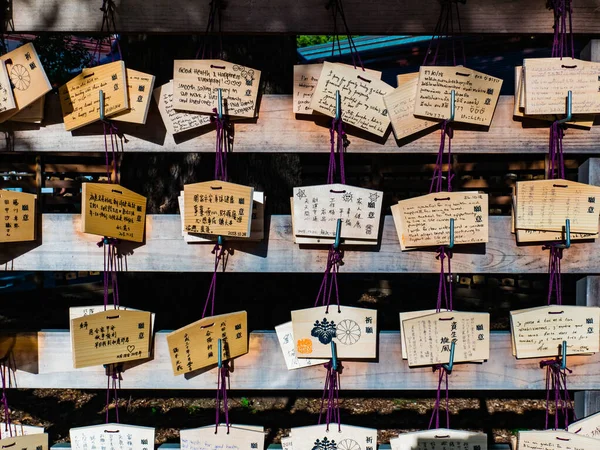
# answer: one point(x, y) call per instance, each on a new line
point(219, 252)
point(442, 377)
point(556, 381)
point(3, 374)
point(332, 392)
point(222, 383)
point(334, 259)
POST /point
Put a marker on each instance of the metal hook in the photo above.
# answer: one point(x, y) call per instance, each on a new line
point(569, 109)
point(567, 243)
point(338, 105)
point(451, 245)
point(452, 105)
point(334, 361)
point(338, 234)
point(563, 361)
point(220, 350)
point(450, 364)
point(220, 103)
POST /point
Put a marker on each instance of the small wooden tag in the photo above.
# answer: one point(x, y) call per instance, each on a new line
point(218, 208)
point(17, 429)
point(429, 338)
point(110, 337)
point(7, 98)
point(540, 332)
point(589, 426)
point(440, 439)
point(257, 225)
point(410, 315)
point(176, 121)
point(196, 83)
point(285, 336)
point(475, 100)
point(306, 77)
point(318, 208)
point(196, 345)
point(18, 213)
point(346, 437)
point(425, 221)
point(546, 204)
point(361, 97)
point(554, 439)
point(139, 91)
point(80, 97)
point(400, 104)
point(581, 120)
point(38, 441)
point(238, 437)
point(27, 78)
point(548, 81)
point(112, 436)
point(113, 211)
point(354, 331)
point(33, 113)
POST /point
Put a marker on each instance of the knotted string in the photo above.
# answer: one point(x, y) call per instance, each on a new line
point(222, 384)
point(442, 377)
point(556, 383)
point(562, 9)
point(219, 252)
point(337, 9)
point(113, 381)
point(334, 260)
point(109, 26)
point(444, 32)
point(331, 391)
point(214, 15)
point(5, 376)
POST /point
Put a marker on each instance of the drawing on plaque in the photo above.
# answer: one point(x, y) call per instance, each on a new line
point(348, 332)
point(325, 444)
point(325, 331)
point(20, 77)
point(301, 193)
point(348, 444)
point(248, 75)
point(304, 346)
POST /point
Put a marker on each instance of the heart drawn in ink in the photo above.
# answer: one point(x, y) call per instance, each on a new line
point(130, 348)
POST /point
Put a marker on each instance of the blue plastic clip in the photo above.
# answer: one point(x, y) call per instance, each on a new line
point(450, 364)
point(338, 234)
point(220, 240)
point(338, 105)
point(567, 233)
point(569, 109)
point(563, 361)
point(220, 103)
point(101, 100)
point(220, 350)
point(452, 105)
point(451, 245)
point(334, 361)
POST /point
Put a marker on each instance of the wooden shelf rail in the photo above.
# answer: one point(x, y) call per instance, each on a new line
point(43, 360)
point(278, 130)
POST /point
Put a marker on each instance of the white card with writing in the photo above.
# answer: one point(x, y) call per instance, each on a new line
point(196, 83)
point(425, 221)
point(476, 94)
point(318, 208)
point(176, 121)
point(343, 437)
point(410, 315)
point(429, 338)
point(354, 331)
point(112, 436)
point(17, 429)
point(286, 443)
point(36, 441)
point(285, 336)
point(554, 440)
point(589, 426)
point(7, 99)
point(306, 77)
point(238, 437)
point(361, 96)
point(540, 332)
point(440, 439)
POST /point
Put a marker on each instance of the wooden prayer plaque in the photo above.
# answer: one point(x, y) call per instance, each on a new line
point(112, 436)
point(589, 426)
point(440, 439)
point(113, 211)
point(196, 83)
point(547, 204)
point(33, 113)
point(80, 97)
point(285, 336)
point(548, 81)
point(196, 345)
point(361, 96)
point(475, 99)
point(27, 78)
point(400, 104)
point(218, 208)
point(429, 338)
point(554, 439)
point(111, 336)
point(318, 208)
point(425, 221)
point(7, 99)
point(346, 437)
point(238, 437)
point(176, 121)
point(38, 441)
point(17, 429)
point(354, 331)
point(257, 224)
point(18, 212)
point(540, 332)
point(306, 77)
point(139, 91)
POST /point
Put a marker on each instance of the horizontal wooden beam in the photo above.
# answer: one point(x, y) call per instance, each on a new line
point(174, 446)
point(62, 246)
point(278, 130)
point(47, 363)
point(291, 16)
